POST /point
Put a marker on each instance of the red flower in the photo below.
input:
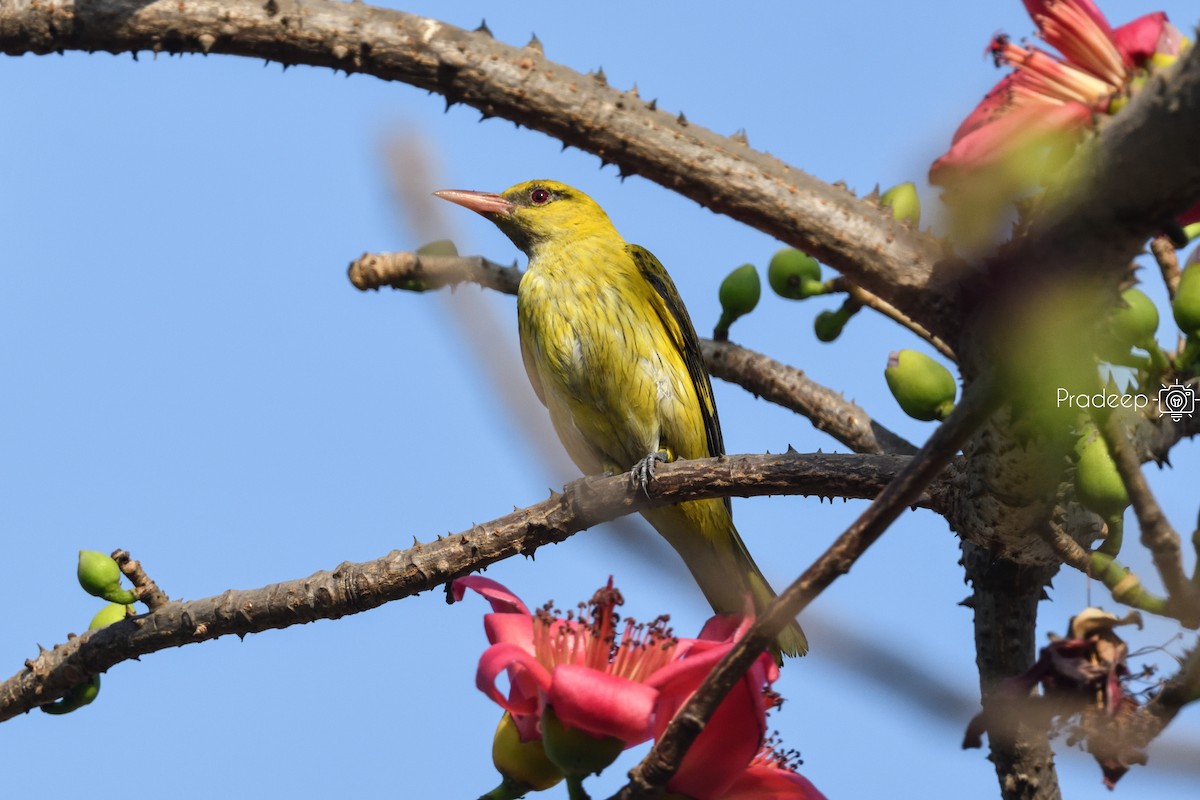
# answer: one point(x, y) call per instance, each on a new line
point(596, 681)
point(770, 776)
point(626, 687)
point(1048, 94)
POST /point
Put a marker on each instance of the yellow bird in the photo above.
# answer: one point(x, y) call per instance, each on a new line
point(611, 352)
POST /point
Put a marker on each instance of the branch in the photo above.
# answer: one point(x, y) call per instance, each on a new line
point(1158, 535)
point(761, 375)
point(656, 769)
point(787, 386)
point(352, 588)
point(853, 235)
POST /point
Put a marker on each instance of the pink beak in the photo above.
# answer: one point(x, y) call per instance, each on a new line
point(485, 203)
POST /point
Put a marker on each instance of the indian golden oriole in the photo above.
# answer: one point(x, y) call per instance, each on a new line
point(611, 352)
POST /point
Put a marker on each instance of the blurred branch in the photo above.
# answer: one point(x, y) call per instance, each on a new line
point(908, 269)
point(761, 375)
point(1158, 535)
point(355, 587)
point(664, 758)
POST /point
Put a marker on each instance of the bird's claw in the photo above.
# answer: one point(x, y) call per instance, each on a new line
point(643, 471)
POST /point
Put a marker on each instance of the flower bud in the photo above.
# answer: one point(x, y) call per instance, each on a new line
point(441, 247)
point(100, 577)
point(905, 204)
point(113, 612)
point(1135, 322)
point(828, 325)
point(78, 697)
point(794, 274)
point(522, 763)
point(577, 753)
point(1098, 485)
point(924, 388)
point(739, 295)
point(1186, 305)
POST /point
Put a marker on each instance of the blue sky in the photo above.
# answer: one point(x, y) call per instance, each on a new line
point(189, 375)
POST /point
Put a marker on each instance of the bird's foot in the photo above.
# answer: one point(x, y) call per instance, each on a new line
point(643, 471)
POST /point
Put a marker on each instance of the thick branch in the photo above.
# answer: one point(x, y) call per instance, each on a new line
point(884, 256)
point(352, 588)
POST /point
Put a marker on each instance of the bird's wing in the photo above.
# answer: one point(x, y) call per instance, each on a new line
point(675, 318)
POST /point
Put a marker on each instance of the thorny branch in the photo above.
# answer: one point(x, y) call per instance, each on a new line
point(664, 758)
point(908, 269)
point(352, 588)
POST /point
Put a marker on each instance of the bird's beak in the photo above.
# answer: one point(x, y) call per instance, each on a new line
point(485, 203)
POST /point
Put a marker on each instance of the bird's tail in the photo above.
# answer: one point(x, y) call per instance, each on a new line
point(703, 534)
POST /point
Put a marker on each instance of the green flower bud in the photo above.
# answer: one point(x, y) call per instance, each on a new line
point(523, 764)
point(100, 577)
point(739, 295)
point(828, 325)
point(794, 274)
point(576, 752)
point(740, 290)
point(924, 388)
point(78, 697)
point(1186, 306)
point(113, 612)
point(906, 205)
point(1192, 231)
point(1098, 485)
point(1136, 321)
point(441, 247)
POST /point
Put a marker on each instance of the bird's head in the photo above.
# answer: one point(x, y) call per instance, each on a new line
point(535, 213)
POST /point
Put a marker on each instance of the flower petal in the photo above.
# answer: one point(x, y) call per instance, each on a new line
point(526, 677)
point(601, 704)
point(1140, 39)
point(502, 600)
point(772, 783)
point(725, 747)
point(513, 628)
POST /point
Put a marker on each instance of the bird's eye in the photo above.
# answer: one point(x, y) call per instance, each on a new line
point(539, 197)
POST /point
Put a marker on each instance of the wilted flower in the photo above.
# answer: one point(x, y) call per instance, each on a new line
point(1082, 692)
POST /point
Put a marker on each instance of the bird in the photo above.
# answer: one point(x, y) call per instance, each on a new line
point(612, 353)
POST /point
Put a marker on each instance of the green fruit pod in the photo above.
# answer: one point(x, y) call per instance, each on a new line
point(1098, 484)
point(904, 202)
point(111, 613)
point(100, 577)
point(524, 763)
point(1186, 305)
point(924, 388)
point(794, 274)
point(440, 247)
point(740, 291)
point(1136, 321)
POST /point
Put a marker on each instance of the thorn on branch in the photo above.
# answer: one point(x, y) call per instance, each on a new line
point(535, 44)
point(484, 29)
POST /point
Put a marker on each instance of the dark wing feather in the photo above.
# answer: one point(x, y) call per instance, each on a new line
point(675, 317)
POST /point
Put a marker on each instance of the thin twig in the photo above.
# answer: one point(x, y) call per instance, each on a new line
point(656, 769)
point(872, 301)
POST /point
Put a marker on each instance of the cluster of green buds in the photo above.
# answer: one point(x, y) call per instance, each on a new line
point(795, 275)
point(924, 388)
point(100, 576)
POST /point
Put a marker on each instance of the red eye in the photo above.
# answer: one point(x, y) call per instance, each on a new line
point(539, 197)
